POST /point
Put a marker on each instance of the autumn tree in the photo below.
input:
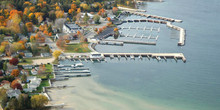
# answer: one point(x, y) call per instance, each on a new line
point(29, 26)
point(96, 19)
point(109, 19)
point(114, 10)
point(15, 72)
point(38, 101)
point(14, 61)
point(42, 69)
point(102, 13)
point(116, 33)
point(56, 53)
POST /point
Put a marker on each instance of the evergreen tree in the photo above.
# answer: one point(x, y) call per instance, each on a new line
point(49, 29)
point(25, 31)
point(4, 101)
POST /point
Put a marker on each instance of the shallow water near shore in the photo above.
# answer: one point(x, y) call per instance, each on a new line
point(152, 85)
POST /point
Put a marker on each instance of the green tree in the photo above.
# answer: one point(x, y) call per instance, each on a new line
point(52, 16)
point(24, 78)
point(86, 18)
point(5, 99)
point(38, 101)
point(21, 102)
point(49, 29)
point(96, 19)
point(5, 66)
point(13, 104)
point(24, 30)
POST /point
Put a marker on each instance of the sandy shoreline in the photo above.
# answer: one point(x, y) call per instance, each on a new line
point(89, 95)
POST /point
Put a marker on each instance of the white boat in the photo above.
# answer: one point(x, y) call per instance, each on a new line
point(132, 57)
point(79, 65)
point(59, 66)
point(158, 58)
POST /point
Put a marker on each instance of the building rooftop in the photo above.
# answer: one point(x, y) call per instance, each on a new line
point(72, 26)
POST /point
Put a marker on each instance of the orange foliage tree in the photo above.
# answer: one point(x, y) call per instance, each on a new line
point(15, 72)
point(29, 26)
point(114, 10)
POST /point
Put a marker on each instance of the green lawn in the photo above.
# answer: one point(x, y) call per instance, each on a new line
point(26, 61)
point(77, 48)
point(49, 68)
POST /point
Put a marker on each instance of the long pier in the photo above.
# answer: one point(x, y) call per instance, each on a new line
point(133, 42)
point(141, 28)
point(130, 9)
point(142, 36)
point(144, 20)
point(148, 55)
point(153, 16)
point(182, 33)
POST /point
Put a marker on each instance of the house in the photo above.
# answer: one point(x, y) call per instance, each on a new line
point(71, 28)
point(28, 54)
point(34, 83)
point(5, 84)
point(45, 54)
point(13, 93)
point(28, 66)
point(23, 72)
point(34, 71)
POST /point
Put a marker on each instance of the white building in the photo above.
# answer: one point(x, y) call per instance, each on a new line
point(34, 83)
point(71, 28)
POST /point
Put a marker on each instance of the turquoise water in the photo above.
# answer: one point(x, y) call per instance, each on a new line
point(194, 85)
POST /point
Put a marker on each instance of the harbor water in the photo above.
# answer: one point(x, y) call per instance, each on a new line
point(171, 85)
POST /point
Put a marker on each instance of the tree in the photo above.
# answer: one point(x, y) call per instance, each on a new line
point(17, 86)
point(13, 104)
point(2, 93)
point(86, 18)
point(109, 19)
point(13, 61)
point(41, 70)
point(29, 26)
point(116, 33)
point(15, 72)
point(21, 102)
point(114, 10)
point(38, 101)
point(24, 78)
point(56, 53)
point(49, 29)
point(52, 16)
point(96, 19)
point(5, 100)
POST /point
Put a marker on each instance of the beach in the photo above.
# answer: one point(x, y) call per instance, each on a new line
point(89, 95)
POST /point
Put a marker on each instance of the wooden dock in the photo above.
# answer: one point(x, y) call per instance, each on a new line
point(133, 42)
point(143, 20)
point(141, 28)
point(153, 16)
point(148, 55)
point(182, 33)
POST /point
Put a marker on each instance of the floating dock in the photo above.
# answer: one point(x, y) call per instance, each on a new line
point(133, 42)
point(74, 75)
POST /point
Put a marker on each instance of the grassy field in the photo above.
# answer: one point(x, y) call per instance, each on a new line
point(77, 48)
point(48, 68)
